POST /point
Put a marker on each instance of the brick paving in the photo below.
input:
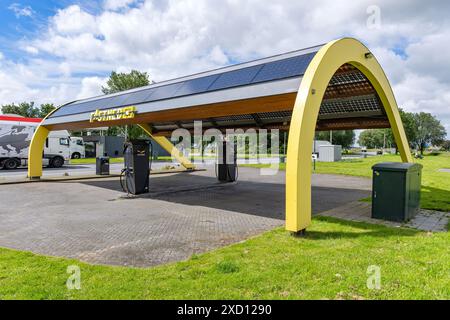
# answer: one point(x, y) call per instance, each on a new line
point(183, 214)
point(425, 220)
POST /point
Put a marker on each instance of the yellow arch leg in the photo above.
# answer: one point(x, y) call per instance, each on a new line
point(169, 147)
point(304, 117)
point(35, 152)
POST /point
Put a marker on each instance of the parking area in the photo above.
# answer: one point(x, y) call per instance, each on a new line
point(184, 214)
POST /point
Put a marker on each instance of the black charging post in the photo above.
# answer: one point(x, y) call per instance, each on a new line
point(227, 160)
point(135, 175)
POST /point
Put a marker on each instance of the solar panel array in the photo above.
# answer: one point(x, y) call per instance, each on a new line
point(350, 93)
point(270, 71)
point(340, 106)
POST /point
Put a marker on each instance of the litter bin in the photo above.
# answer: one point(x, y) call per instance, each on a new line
point(396, 190)
point(102, 166)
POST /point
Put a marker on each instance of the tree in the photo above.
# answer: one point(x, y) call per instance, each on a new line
point(345, 138)
point(372, 138)
point(124, 81)
point(45, 109)
point(421, 129)
point(410, 129)
point(25, 109)
point(446, 145)
point(429, 130)
point(409, 125)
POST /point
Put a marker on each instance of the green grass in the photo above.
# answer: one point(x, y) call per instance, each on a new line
point(435, 184)
point(331, 262)
point(92, 160)
point(169, 158)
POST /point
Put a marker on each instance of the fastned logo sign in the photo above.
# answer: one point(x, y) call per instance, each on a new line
point(113, 114)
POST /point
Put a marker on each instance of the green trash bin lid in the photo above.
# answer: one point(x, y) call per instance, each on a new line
point(396, 166)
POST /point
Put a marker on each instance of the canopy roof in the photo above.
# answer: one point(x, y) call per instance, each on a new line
point(259, 93)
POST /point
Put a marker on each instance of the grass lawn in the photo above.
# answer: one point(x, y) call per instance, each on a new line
point(435, 184)
point(92, 160)
point(169, 158)
point(331, 262)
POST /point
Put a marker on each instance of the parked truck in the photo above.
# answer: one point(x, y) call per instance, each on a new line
point(77, 148)
point(16, 133)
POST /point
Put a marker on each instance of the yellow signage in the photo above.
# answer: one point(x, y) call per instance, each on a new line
point(113, 114)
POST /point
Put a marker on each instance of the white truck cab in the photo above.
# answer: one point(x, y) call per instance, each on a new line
point(77, 149)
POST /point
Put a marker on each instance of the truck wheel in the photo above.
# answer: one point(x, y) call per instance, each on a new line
point(76, 155)
point(57, 162)
point(10, 164)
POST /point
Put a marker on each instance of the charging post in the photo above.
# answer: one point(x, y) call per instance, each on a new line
point(135, 174)
point(227, 160)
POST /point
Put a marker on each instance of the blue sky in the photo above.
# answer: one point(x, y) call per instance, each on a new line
point(58, 51)
point(21, 20)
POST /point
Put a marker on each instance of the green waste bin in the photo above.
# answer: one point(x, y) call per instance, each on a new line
point(396, 190)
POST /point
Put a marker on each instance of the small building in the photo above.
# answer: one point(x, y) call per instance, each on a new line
point(330, 153)
point(97, 146)
point(112, 146)
point(318, 143)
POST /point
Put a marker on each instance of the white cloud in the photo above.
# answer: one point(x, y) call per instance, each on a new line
point(31, 50)
point(21, 11)
point(65, 69)
point(117, 4)
point(73, 20)
point(173, 38)
point(90, 87)
point(430, 55)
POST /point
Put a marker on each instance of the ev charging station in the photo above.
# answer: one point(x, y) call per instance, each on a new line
point(335, 86)
point(226, 167)
point(135, 175)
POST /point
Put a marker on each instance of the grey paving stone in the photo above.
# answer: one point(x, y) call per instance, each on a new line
point(183, 214)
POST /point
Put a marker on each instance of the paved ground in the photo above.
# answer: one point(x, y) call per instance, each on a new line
point(425, 220)
point(183, 214)
point(115, 168)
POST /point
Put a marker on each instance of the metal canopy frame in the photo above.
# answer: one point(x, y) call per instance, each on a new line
point(336, 86)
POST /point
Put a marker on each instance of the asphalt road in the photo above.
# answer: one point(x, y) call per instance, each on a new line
point(115, 168)
point(71, 170)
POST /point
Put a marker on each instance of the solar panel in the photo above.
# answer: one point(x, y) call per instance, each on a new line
point(269, 71)
point(235, 78)
point(196, 85)
point(88, 106)
point(286, 68)
point(165, 92)
point(66, 110)
point(102, 103)
point(359, 104)
point(137, 97)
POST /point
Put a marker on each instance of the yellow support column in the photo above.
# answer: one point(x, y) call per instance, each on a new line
point(306, 110)
point(169, 147)
point(35, 152)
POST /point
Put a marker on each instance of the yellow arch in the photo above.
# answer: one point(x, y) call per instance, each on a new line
point(306, 110)
point(36, 149)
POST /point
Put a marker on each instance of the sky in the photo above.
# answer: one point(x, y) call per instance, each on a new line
point(59, 51)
